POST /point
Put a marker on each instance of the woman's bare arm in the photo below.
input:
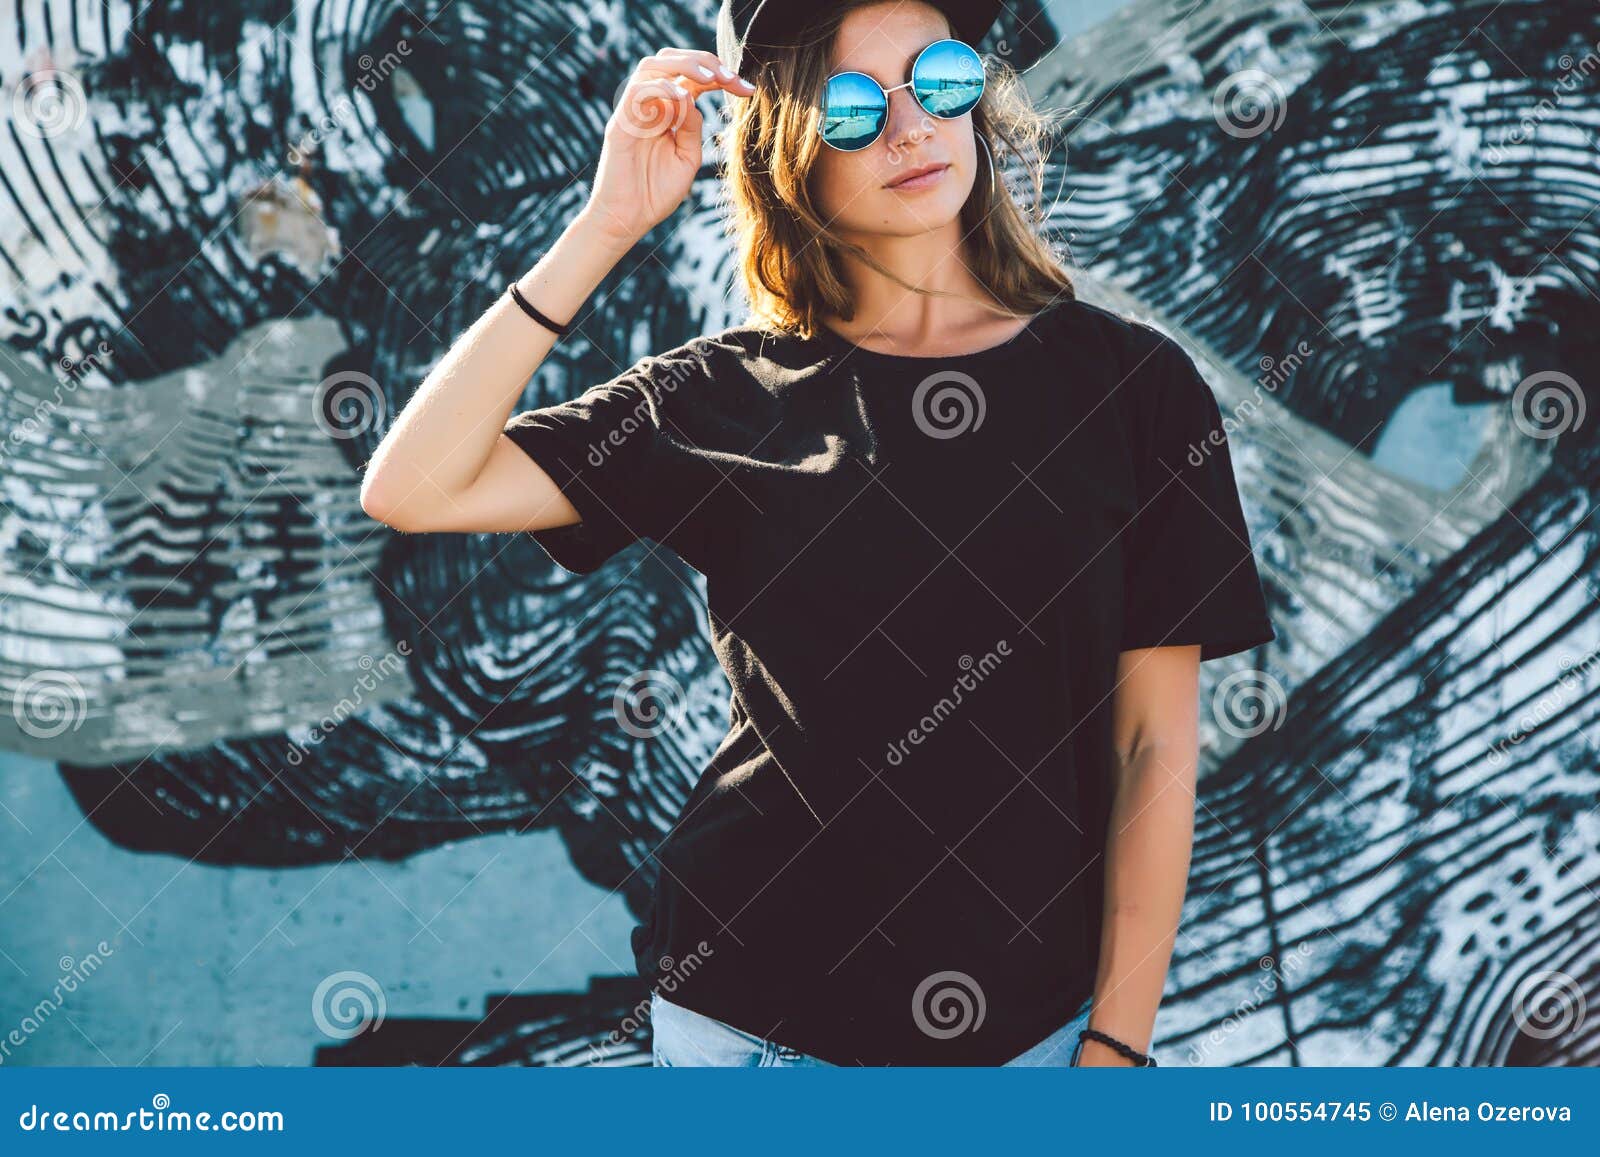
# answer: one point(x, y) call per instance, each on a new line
point(1155, 730)
point(445, 465)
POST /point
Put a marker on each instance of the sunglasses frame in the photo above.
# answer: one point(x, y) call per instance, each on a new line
point(983, 79)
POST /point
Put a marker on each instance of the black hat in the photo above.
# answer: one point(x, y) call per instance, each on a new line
point(745, 27)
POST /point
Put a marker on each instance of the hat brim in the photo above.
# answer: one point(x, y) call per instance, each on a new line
point(776, 24)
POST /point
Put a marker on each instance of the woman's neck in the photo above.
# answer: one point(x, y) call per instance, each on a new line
point(890, 317)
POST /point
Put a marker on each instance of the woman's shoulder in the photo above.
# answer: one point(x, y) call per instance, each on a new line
point(1136, 363)
point(694, 370)
point(1119, 338)
point(736, 365)
point(736, 345)
point(739, 377)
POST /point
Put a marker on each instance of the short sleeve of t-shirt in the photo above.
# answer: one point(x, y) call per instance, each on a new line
point(619, 458)
point(1189, 572)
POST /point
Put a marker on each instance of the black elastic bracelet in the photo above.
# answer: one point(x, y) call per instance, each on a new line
point(527, 308)
point(1140, 1060)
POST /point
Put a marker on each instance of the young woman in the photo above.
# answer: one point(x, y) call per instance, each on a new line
point(966, 541)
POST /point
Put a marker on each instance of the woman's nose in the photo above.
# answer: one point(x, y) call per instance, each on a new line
point(909, 122)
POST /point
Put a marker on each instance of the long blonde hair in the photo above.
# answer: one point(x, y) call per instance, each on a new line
point(789, 259)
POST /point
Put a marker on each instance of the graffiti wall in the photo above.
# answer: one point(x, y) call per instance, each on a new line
point(284, 786)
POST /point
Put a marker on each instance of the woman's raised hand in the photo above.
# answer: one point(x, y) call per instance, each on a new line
point(652, 147)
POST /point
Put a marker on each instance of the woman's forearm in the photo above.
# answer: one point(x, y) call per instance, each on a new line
point(444, 435)
point(1150, 839)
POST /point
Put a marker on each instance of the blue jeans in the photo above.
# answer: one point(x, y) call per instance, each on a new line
point(683, 1037)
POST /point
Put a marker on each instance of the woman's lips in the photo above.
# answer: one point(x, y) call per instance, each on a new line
point(925, 181)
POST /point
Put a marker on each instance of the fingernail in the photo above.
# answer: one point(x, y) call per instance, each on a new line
point(705, 72)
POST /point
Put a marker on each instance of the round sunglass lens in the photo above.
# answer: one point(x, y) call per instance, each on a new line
point(853, 111)
point(947, 78)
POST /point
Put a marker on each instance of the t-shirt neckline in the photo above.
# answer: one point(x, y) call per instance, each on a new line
point(847, 349)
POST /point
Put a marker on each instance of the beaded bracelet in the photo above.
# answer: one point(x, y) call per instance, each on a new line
point(1140, 1060)
point(527, 307)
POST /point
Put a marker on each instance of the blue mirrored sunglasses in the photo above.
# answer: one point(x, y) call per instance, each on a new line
point(946, 80)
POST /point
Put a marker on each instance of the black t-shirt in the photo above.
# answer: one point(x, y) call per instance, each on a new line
point(920, 572)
